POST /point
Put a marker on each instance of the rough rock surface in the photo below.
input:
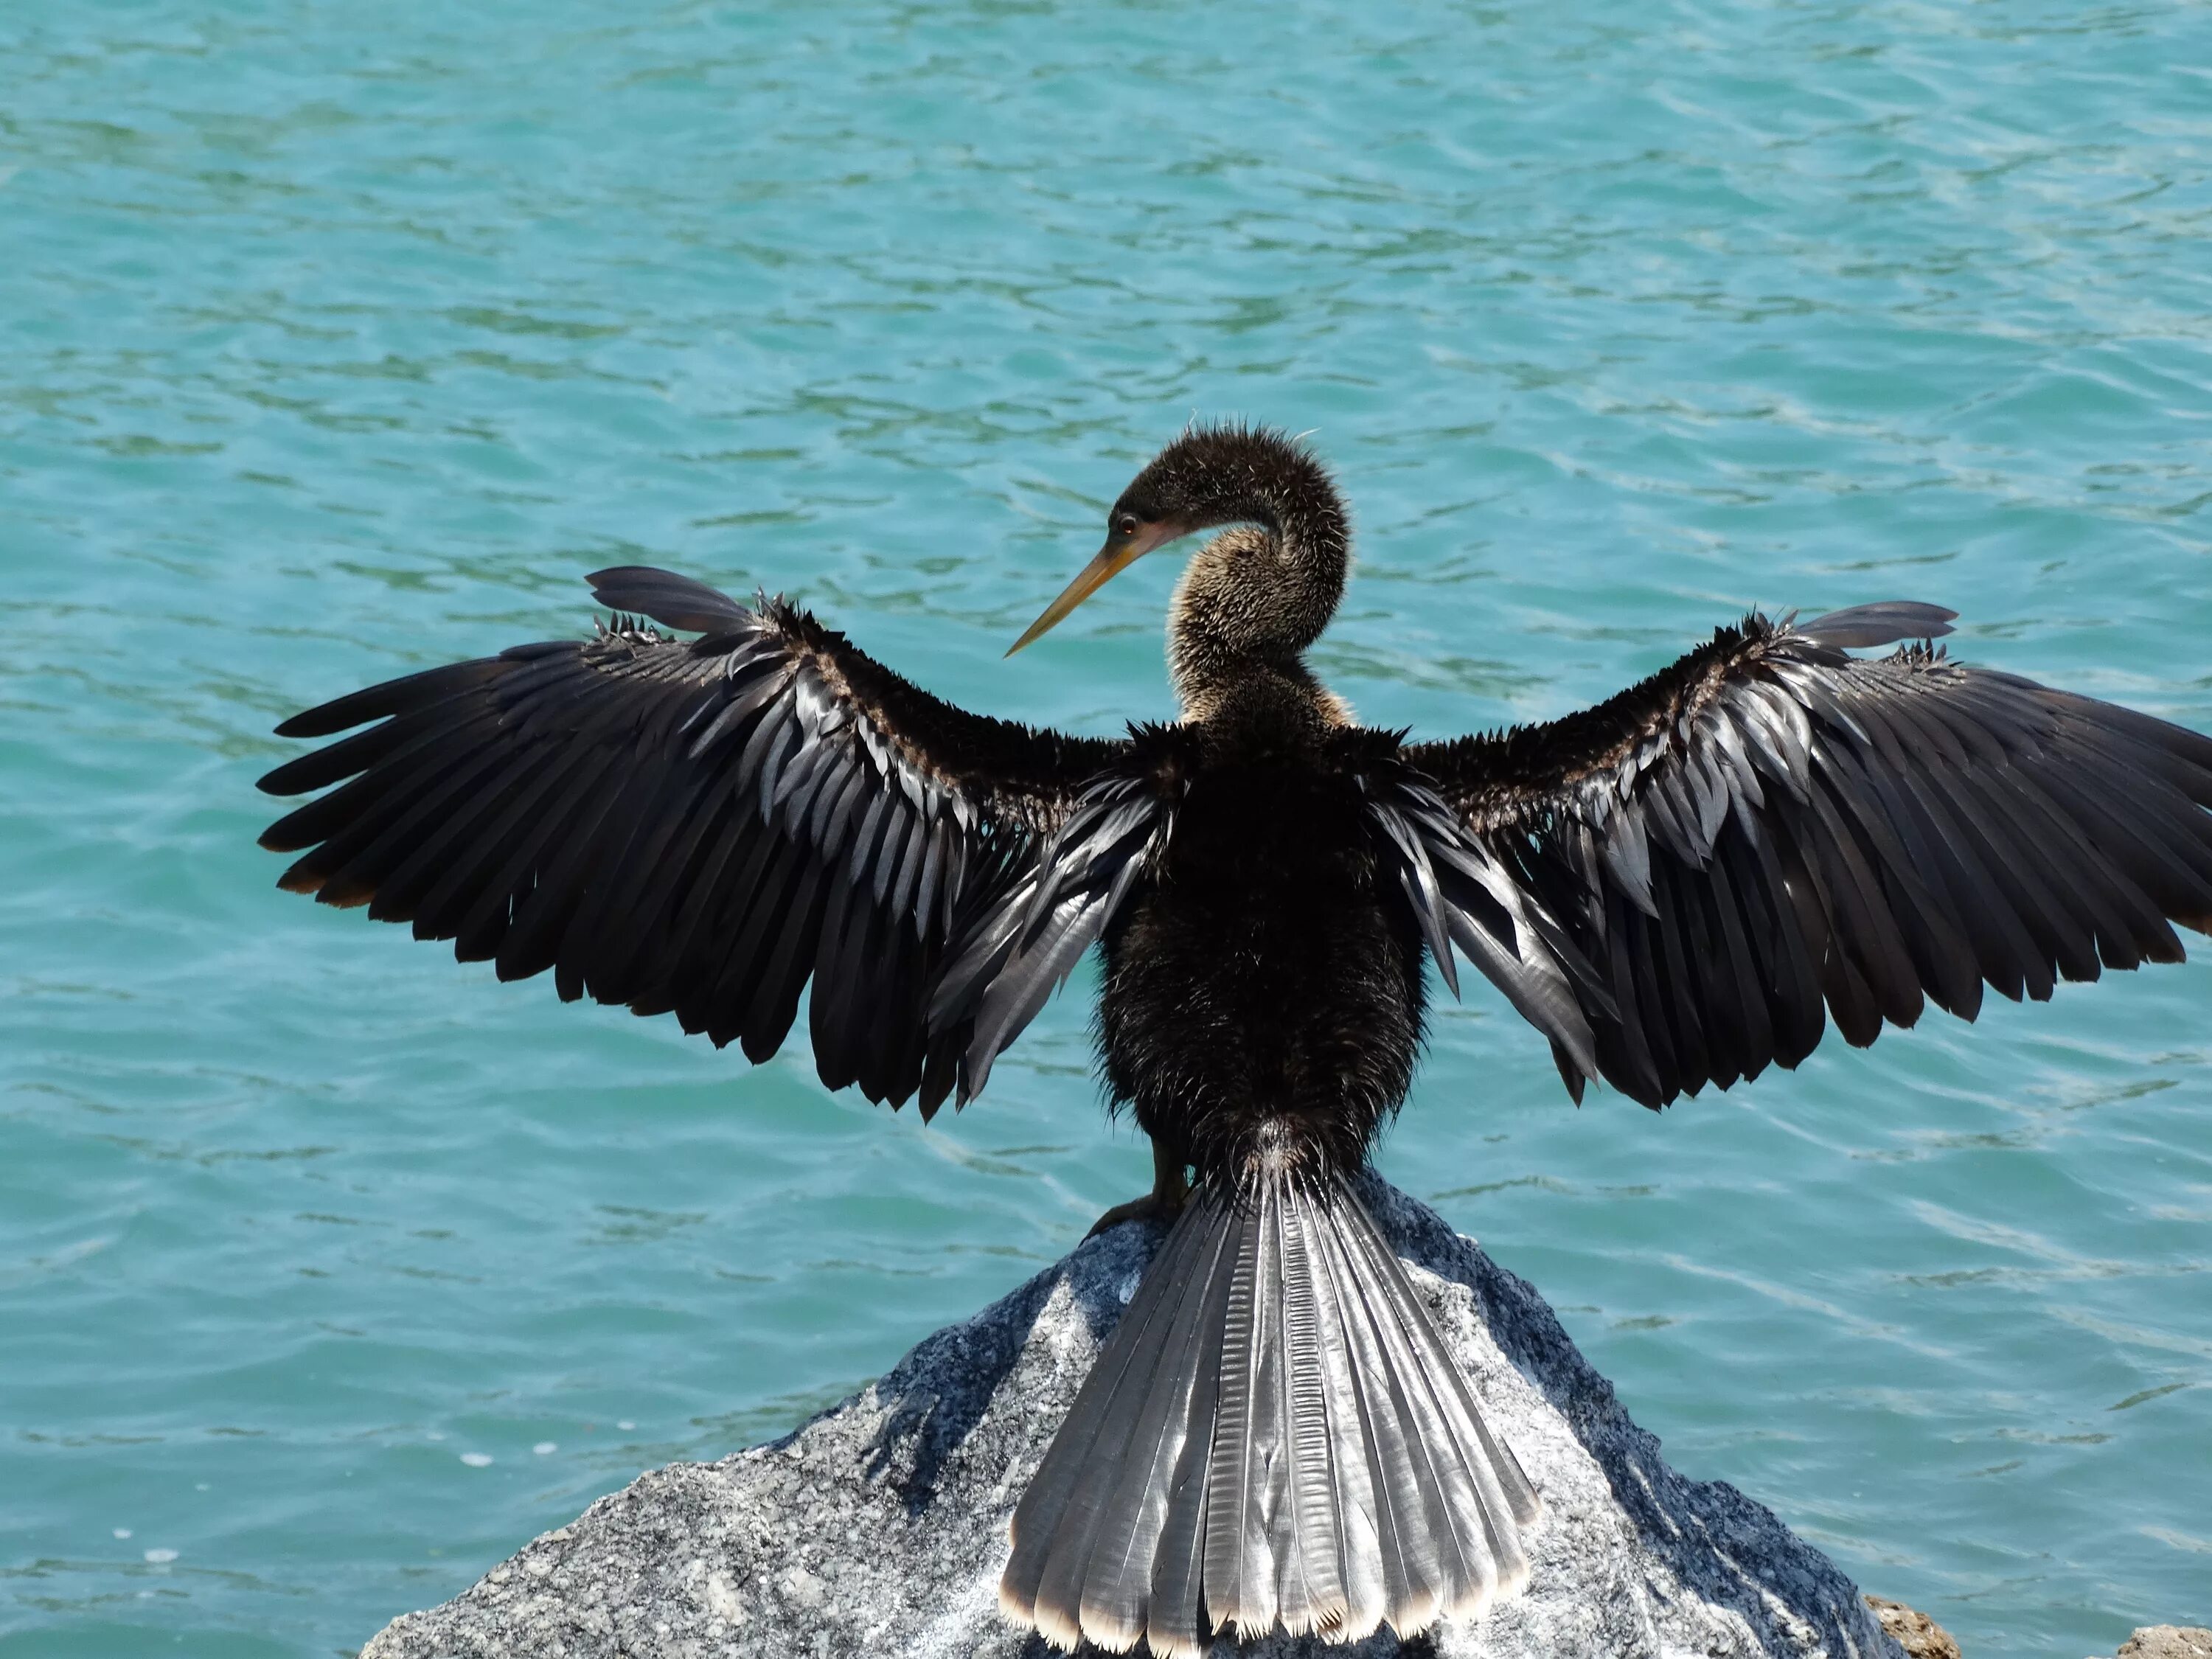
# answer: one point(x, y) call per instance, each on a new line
point(1920, 1637)
point(2168, 1642)
point(880, 1527)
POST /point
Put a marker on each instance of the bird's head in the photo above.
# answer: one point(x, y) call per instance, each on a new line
point(1210, 475)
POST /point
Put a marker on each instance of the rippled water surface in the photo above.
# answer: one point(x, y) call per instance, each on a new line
point(342, 340)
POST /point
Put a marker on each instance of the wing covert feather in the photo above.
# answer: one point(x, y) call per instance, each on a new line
point(698, 827)
point(1770, 834)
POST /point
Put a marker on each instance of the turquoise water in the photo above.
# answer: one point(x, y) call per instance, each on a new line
point(342, 340)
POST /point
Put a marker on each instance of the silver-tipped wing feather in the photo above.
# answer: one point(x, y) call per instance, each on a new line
point(704, 826)
point(1771, 833)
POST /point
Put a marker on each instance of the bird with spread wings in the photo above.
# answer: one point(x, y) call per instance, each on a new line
point(1678, 888)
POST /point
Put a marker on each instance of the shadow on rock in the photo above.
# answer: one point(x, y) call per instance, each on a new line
point(879, 1528)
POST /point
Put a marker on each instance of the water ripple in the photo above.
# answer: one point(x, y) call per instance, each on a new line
point(341, 344)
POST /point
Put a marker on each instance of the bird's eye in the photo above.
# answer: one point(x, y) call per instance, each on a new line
point(1126, 525)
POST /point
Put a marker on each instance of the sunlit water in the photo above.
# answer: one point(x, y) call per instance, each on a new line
point(342, 340)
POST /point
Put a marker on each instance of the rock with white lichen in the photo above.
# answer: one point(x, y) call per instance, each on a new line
point(2168, 1642)
point(880, 1527)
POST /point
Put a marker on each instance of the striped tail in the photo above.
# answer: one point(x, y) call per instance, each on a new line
point(1274, 1434)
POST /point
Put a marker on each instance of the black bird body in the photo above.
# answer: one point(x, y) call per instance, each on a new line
point(1678, 888)
point(1263, 991)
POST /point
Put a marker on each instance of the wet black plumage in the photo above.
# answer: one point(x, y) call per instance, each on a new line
point(1269, 942)
point(1678, 888)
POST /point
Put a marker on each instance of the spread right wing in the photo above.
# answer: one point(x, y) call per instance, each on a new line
point(1771, 833)
point(699, 827)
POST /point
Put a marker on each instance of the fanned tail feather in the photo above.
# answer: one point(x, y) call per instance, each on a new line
point(1274, 1435)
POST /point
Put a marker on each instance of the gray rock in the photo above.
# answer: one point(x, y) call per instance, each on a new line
point(880, 1527)
point(2168, 1642)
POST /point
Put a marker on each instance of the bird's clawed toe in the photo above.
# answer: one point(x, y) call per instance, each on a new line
point(1152, 1207)
point(1171, 1192)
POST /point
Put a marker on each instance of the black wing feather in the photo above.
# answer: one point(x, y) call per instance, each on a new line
point(699, 827)
point(1770, 834)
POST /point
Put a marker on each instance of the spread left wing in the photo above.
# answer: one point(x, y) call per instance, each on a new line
point(1771, 832)
point(701, 826)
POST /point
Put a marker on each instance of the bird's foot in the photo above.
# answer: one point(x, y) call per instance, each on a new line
point(1152, 1207)
point(1171, 1192)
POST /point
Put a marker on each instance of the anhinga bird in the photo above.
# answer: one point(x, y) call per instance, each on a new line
point(1678, 887)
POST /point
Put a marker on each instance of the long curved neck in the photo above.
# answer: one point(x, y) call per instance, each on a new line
point(1254, 597)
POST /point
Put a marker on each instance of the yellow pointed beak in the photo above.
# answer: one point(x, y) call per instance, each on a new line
point(1118, 554)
